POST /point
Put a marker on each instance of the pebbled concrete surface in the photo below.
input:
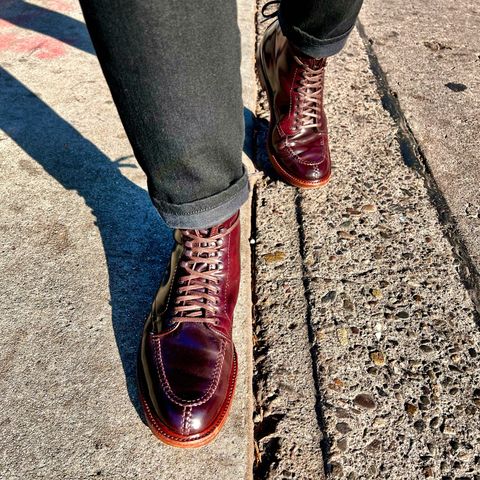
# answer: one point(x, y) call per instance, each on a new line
point(430, 54)
point(83, 252)
point(395, 329)
point(286, 430)
point(377, 298)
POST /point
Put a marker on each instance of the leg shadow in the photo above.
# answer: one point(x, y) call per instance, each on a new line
point(136, 243)
point(261, 160)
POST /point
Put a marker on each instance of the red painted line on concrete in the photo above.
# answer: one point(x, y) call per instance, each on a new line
point(40, 46)
point(14, 39)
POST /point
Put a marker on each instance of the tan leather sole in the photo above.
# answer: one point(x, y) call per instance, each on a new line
point(296, 182)
point(289, 178)
point(163, 433)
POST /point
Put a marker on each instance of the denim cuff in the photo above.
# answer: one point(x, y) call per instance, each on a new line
point(312, 46)
point(206, 212)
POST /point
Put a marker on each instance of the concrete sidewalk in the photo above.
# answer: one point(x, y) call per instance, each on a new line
point(428, 54)
point(83, 252)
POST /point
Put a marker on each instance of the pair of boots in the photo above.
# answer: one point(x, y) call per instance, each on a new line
point(187, 364)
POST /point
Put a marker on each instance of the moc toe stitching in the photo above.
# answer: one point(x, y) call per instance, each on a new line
point(158, 426)
point(166, 384)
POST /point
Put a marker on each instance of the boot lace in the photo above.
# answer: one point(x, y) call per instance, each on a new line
point(309, 108)
point(310, 86)
point(198, 292)
point(274, 14)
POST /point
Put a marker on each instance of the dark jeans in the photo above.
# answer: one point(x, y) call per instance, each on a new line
point(173, 67)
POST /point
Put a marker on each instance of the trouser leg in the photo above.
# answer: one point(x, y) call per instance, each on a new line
point(318, 28)
point(173, 68)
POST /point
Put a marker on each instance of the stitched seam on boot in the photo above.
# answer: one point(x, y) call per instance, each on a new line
point(182, 428)
point(168, 389)
point(228, 263)
point(220, 418)
point(310, 164)
point(282, 133)
point(293, 154)
point(291, 91)
point(188, 421)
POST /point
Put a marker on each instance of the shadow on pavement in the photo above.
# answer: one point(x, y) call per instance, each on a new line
point(261, 160)
point(135, 240)
point(136, 243)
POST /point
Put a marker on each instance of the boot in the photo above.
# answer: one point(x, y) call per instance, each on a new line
point(298, 137)
point(187, 363)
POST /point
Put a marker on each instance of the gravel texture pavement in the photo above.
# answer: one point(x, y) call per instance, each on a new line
point(429, 53)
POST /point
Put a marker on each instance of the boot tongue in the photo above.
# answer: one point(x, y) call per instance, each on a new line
point(314, 63)
point(196, 262)
point(210, 232)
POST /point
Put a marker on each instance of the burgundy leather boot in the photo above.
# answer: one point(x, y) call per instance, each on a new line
point(298, 137)
point(187, 363)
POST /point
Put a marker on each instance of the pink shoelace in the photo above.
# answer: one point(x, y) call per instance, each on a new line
point(198, 292)
point(310, 89)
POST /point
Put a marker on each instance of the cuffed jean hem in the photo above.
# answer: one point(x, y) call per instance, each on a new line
point(206, 212)
point(311, 46)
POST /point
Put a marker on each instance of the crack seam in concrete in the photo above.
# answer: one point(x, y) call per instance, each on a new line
point(324, 443)
point(414, 157)
point(269, 453)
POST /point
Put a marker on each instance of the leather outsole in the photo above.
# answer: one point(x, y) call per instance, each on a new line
point(296, 182)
